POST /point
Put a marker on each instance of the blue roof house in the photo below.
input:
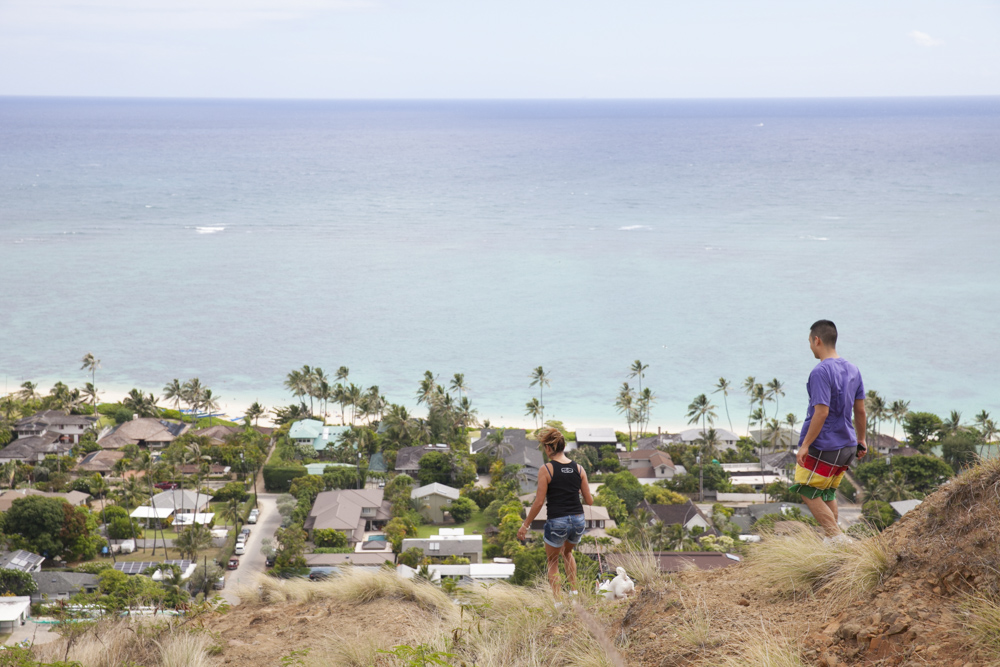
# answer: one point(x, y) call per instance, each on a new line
point(315, 433)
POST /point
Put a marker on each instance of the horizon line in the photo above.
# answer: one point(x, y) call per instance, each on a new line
point(496, 99)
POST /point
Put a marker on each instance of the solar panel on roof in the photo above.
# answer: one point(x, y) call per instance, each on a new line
point(138, 567)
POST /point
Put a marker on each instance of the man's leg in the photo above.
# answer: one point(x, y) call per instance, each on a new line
point(824, 515)
point(832, 504)
point(553, 553)
point(570, 563)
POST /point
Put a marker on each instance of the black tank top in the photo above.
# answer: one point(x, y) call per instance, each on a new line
point(563, 495)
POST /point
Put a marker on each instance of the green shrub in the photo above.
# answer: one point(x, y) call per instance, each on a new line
point(328, 537)
point(278, 476)
point(230, 491)
point(461, 509)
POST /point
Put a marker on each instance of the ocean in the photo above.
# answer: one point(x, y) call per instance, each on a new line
point(238, 240)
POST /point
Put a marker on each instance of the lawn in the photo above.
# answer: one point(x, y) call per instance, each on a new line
point(476, 523)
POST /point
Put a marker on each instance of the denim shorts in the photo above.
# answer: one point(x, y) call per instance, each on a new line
point(564, 529)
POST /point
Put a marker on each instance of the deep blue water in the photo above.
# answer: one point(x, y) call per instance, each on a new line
point(236, 240)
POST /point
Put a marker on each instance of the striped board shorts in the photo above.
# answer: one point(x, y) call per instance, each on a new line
point(823, 472)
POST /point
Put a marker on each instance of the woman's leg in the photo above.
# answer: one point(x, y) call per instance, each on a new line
point(552, 553)
point(570, 563)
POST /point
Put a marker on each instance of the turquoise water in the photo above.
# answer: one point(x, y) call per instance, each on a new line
point(238, 240)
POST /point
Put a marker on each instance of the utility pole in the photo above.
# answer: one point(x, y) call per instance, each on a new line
point(701, 480)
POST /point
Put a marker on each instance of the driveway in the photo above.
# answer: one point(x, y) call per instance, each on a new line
point(252, 561)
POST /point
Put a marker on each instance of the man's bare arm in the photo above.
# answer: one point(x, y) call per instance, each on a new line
point(860, 425)
point(820, 413)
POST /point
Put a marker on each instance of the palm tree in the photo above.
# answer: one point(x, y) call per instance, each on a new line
point(141, 404)
point(91, 363)
point(230, 512)
point(541, 378)
point(193, 394)
point(953, 424)
point(341, 374)
point(894, 488)
point(466, 413)
point(724, 386)
point(638, 527)
point(196, 538)
point(791, 420)
point(210, 402)
point(458, 384)
point(748, 389)
point(898, 410)
point(90, 392)
point(775, 389)
point(173, 391)
point(9, 471)
point(534, 410)
point(498, 444)
point(625, 403)
point(29, 391)
point(700, 409)
point(638, 370)
point(255, 412)
point(877, 411)
point(644, 402)
point(428, 385)
point(145, 465)
point(980, 420)
point(296, 384)
point(710, 443)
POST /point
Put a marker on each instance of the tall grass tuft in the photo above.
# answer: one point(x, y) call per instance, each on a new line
point(354, 585)
point(764, 650)
point(184, 649)
point(802, 562)
point(641, 565)
point(982, 620)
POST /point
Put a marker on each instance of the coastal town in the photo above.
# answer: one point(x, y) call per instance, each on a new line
point(137, 506)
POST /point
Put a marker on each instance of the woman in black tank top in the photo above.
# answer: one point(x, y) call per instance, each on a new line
point(561, 483)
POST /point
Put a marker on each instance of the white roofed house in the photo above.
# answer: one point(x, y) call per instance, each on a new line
point(598, 436)
point(448, 542)
point(22, 560)
point(724, 439)
point(648, 465)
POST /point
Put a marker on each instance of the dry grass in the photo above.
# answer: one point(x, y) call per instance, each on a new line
point(802, 562)
point(641, 566)
point(982, 621)
point(131, 642)
point(763, 650)
point(354, 586)
point(185, 649)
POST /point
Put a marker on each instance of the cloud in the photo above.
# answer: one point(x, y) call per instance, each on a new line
point(925, 40)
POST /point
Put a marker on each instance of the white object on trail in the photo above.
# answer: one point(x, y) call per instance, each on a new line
point(619, 587)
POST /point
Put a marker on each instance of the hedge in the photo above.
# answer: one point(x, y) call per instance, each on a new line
point(278, 476)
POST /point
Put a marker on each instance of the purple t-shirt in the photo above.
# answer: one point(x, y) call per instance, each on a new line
point(835, 383)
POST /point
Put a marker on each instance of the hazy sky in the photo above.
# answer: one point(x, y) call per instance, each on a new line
point(491, 49)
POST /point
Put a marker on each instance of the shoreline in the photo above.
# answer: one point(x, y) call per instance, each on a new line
point(235, 406)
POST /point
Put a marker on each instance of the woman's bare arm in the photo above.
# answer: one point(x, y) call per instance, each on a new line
point(585, 488)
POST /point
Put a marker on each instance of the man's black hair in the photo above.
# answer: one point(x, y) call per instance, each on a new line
point(826, 330)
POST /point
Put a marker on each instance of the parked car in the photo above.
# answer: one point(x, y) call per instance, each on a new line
point(220, 583)
point(245, 531)
point(167, 486)
point(241, 548)
point(241, 538)
point(269, 561)
point(252, 518)
point(381, 484)
point(234, 563)
point(320, 573)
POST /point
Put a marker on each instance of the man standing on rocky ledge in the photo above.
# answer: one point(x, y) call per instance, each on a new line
point(829, 440)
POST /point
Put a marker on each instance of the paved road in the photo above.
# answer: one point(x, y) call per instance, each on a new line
point(252, 561)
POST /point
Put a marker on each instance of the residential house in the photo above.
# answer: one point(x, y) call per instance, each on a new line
point(54, 421)
point(181, 501)
point(726, 439)
point(14, 612)
point(74, 498)
point(901, 507)
point(352, 511)
point(433, 500)
point(408, 458)
point(598, 437)
point(55, 585)
point(511, 436)
point(448, 542)
point(315, 434)
point(517, 449)
point(357, 559)
point(146, 432)
point(658, 441)
point(595, 516)
point(467, 575)
point(212, 470)
point(377, 463)
point(759, 511)
point(34, 448)
point(22, 560)
point(883, 444)
point(648, 465)
point(102, 462)
point(687, 515)
point(778, 462)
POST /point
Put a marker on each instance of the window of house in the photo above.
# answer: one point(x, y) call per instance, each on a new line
point(434, 546)
point(367, 511)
